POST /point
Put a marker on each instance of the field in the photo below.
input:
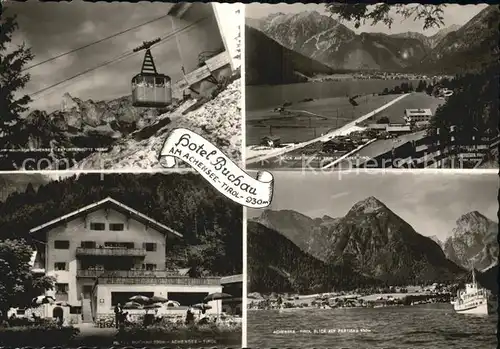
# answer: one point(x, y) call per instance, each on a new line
point(303, 121)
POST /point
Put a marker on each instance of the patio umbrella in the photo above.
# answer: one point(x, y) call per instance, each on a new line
point(139, 299)
point(216, 296)
point(152, 306)
point(158, 299)
point(173, 304)
point(132, 305)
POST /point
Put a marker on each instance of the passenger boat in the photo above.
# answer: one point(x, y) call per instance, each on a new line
point(474, 299)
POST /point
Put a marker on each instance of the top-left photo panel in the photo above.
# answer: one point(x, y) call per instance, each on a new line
point(99, 86)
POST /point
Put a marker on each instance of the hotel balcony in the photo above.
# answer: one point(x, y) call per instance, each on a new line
point(168, 280)
point(111, 251)
point(147, 277)
point(92, 273)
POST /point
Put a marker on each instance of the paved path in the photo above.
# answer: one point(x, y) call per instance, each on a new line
point(94, 336)
point(327, 136)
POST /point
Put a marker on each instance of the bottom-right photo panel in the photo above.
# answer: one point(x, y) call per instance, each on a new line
point(374, 260)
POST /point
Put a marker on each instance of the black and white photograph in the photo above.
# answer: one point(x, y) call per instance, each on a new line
point(98, 85)
point(347, 86)
point(387, 260)
point(123, 260)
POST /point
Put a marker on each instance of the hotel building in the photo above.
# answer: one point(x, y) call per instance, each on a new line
point(107, 252)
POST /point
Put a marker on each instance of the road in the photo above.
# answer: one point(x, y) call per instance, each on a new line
point(326, 137)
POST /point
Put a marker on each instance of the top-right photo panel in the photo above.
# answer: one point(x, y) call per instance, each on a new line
point(344, 86)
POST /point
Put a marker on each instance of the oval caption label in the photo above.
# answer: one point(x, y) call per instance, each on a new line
point(217, 168)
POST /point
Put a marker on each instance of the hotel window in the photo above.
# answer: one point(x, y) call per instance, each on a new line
point(116, 226)
point(61, 288)
point(97, 226)
point(60, 266)
point(150, 266)
point(88, 244)
point(150, 246)
point(61, 245)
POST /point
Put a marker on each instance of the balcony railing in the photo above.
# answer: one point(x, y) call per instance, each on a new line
point(167, 280)
point(111, 251)
point(151, 277)
point(125, 273)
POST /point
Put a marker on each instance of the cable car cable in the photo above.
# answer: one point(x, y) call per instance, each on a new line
point(93, 43)
point(122, 56)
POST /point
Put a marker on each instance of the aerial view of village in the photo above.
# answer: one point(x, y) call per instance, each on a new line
point(338, 91)
point(128, 260)
point(368, 261)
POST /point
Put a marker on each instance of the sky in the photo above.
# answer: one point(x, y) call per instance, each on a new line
point(431, 203)
point(453, 14)
point(52, 28)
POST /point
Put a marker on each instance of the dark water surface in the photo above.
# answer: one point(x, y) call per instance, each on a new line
point(266, 96)
point(432, 326)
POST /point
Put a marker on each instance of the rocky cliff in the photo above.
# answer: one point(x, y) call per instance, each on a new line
point(473, 243)
point(218, 120)
point(371, 240)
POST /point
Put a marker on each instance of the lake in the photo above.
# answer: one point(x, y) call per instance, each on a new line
point(430, 326)
point(265, 96)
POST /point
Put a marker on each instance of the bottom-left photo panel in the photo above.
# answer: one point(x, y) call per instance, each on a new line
point(119, 260)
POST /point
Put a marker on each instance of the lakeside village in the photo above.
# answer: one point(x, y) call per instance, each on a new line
point(376, 75)
point(112, 279)
point(372, 298)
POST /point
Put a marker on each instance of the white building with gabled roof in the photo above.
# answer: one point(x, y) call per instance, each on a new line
point(107, 252)
point(418, 116)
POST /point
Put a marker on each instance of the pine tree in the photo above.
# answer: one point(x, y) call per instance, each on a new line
point(12, 79)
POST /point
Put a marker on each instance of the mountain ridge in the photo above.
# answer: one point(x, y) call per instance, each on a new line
point(370, 238)
point(473, 242)
point(328, 41)
point(279, 65)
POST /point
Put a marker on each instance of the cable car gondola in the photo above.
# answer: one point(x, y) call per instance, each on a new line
point(149, 88)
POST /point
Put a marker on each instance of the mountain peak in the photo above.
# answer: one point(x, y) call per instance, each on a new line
point(368, 205)
point(471, 217)
point(68, 103)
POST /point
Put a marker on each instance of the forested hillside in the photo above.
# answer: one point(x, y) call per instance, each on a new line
point(210, 223)
point(277, 265)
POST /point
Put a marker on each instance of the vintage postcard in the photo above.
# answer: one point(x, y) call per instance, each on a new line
point(345, 86)
point(123, 260)
point(387, 260)
point(99, 85)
